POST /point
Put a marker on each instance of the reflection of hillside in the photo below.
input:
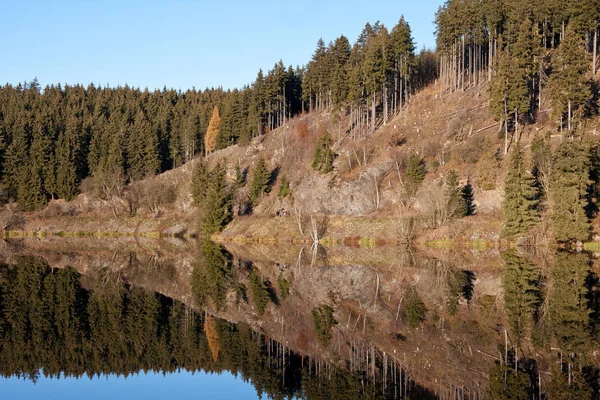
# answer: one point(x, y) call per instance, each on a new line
point(471, 298)
point(51, 324)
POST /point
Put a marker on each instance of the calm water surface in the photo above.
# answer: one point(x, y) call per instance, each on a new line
point(498, 325)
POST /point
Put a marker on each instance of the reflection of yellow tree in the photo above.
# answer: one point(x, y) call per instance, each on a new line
point(210, 328)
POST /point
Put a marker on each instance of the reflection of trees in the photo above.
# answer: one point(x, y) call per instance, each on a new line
point(50, 324)
point(520, 281)
point(211, 277)
point(568, 308)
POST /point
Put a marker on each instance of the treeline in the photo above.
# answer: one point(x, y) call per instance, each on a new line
point(53, 139)
point(371, 79)
point(524, 49)
point(50, 324)
point(114, 136)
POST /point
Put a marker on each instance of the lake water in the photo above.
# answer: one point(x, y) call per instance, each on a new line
point(154, 320)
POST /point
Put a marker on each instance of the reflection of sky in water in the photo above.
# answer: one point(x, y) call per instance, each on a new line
point(142, 386)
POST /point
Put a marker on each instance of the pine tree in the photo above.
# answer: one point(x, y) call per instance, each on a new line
point(260, 181)
point(212, 133)
point(569, 183)
point(520, 205)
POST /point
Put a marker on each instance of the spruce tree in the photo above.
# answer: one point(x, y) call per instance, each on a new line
point(260, 181)
point(324, 155)
point(521, 198)
point(520, 281)
point(414, 174)
point(455, 203)
point(200, 182)
point(569, 183)
point(217, 206)
point(568, 86)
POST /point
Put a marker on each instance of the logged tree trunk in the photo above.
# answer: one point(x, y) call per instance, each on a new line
point(373, 113)
point(385, 104)
point(516, 126)
point(594, 52)
point(569, 117)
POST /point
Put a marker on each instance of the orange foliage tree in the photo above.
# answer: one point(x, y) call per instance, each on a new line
point(210, 328)
point(210, 139)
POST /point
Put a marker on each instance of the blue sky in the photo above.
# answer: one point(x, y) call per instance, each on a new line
point(182, 44)
point(183, 385)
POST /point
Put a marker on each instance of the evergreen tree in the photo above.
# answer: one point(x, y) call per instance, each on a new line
point(520, 281)
point(568, 303)
point(217, 207)
point(67, 179)
point(569, 184)
point(284, 188)
point(468, 199)
point(520, 205)
point(259, 291)
point(414, 174)
point(324, 155)
point(260, 181)
point(200, 182)
point(212, 133)
point(568, 85)
point(324, 321)
point(455, 203)
point(414, 308)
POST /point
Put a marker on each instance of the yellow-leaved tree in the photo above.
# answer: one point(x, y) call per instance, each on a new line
point(210, 139)
point(212, 337)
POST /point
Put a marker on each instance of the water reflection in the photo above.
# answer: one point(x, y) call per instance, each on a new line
point(350, 323)
point(54, 323)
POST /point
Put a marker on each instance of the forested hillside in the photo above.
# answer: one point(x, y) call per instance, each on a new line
point(378, 121)
point(123, 134)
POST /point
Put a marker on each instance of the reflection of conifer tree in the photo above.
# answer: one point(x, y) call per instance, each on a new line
point(211, 277)
point(569, 313)
point(521, 294)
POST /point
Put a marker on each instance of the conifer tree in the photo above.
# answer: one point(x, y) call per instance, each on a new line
point(259, 291)
point(66, 169)
point(260, 181)
point(569, 183)
point(455, 203)
point(200, 182)
point(217, 207)
point(212, 133)
point(568, 85)
point(520, 281)
point(284, 188)
point(414, 174)
point(568, 302)
point(324, 155)
point(521, 198)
